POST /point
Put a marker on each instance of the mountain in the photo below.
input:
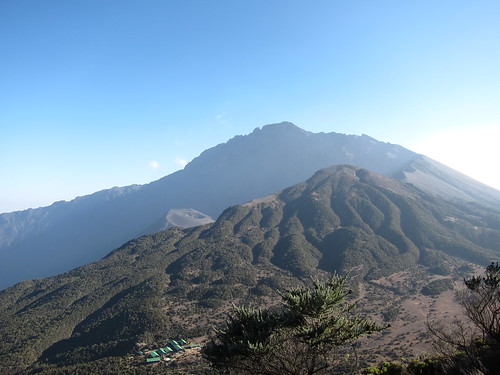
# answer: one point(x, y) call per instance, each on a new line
point(74, 233)
point(179, 282)
point(436, 178)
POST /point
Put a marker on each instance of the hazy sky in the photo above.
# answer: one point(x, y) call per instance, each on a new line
point(96, 94)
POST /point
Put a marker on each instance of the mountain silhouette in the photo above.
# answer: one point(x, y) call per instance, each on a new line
point(49, 240)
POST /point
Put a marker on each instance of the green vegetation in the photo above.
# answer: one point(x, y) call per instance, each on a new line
point(418, 366)
point(179, 282)
point(313, 332)
point(385, 368)
point(436, 287)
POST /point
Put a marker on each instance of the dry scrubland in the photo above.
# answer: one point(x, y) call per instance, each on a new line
point(394, 300)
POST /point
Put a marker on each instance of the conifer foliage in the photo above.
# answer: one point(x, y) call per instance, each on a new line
point(312, 332)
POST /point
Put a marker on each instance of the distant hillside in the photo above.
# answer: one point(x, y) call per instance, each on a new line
point(437, 178)
point(181, 281)
point(74, 233)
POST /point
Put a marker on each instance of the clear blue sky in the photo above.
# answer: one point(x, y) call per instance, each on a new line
point(96, 94)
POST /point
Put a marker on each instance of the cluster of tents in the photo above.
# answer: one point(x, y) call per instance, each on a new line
point(173, 346)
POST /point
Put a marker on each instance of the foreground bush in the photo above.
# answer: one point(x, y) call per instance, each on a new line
point(312, 332)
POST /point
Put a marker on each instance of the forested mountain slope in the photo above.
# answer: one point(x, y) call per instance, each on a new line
point(180, 281)
point(73, 233)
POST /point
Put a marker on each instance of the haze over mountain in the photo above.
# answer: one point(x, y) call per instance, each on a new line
point(46, 241)
point(180, 281)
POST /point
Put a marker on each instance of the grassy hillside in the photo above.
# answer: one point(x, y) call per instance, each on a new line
point(180, 282)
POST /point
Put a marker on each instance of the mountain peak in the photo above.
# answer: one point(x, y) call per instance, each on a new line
point(281, 127)
point(244, 168)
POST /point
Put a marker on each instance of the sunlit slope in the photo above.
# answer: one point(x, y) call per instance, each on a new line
point(437, 178)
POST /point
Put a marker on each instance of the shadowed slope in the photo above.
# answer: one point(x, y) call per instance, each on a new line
point(342, 219)
point(244, 168)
